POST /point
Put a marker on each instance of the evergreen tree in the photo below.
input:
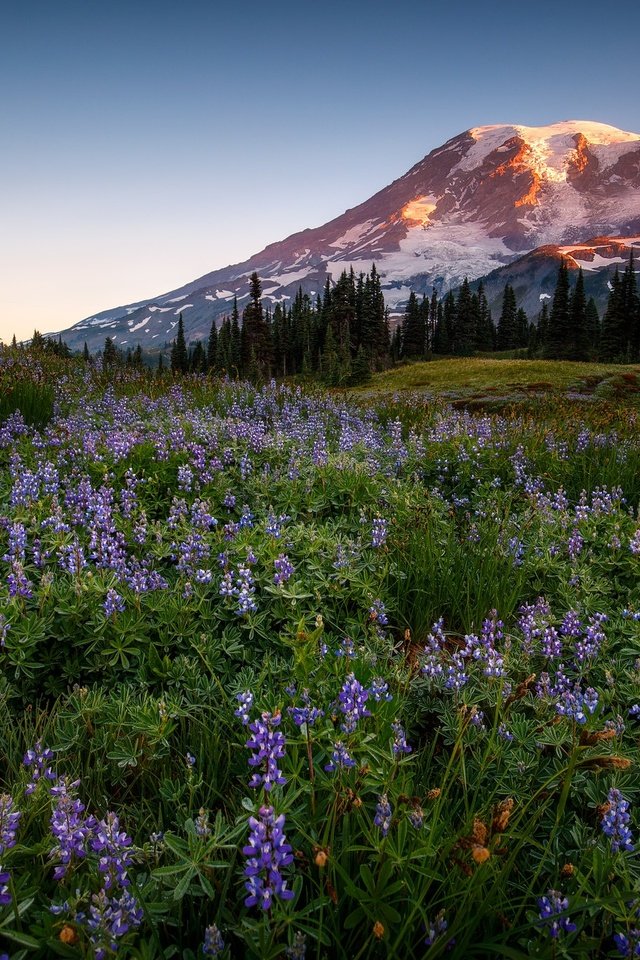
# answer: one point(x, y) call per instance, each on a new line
point(592, 328)
point(558, 341)
point(212, 348)
point(179, 354)
point(413, 329)
point(507, 324)
point(579, 349)
point(109, 354)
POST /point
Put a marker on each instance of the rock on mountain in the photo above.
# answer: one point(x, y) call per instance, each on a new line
point(478, 202)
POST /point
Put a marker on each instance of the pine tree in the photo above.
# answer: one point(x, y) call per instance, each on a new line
point(109, 354)
point(579, 349)
point(179, 354)
point(413, 329)
point(558, 341)
point(612, 338)
point(507, 324)
point(86, 356)
point(212, 348)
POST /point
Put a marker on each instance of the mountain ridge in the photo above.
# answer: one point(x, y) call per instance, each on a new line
point(473, 205)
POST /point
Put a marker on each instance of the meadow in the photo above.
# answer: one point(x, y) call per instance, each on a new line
point(292, 673)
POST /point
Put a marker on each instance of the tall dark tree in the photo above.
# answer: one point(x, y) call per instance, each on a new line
point(413, 329)
point(580, 346)
point(212, 348)
point(558, 343)
point(507, 324)
point(179, 353)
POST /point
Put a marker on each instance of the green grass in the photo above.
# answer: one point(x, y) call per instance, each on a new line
point(474, 374)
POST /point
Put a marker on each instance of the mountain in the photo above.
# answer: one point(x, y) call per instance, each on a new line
point(534, 275)
point(478, 202)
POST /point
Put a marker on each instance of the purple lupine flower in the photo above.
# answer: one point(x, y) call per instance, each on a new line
point(352, 699)
point(113, 603)
point(504, 733)
point(9, 820)
point(70, 829)
point(346, 649)
point(551, 643)
point(113, 846)
point(339, 758)
point(268, 852)
point(615, 822)
point(213, 941)
point(379, 532)
point(284, 570)
point(400, 744)
point(416, 817)
point(39, 759)
point(436, 929)
point(588, 646)
point(190, 760)
point(379, 690)
point(5, 893)
point(383, 815)
point(575, 544)
point(268, 745)
point(5, 626)
point(246, 703)
point(307, 713)
point(551, 909)
point(108, 919)
point(628, 943)
point(378, 612)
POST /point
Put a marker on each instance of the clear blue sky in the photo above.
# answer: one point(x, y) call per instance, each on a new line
point(146, 142)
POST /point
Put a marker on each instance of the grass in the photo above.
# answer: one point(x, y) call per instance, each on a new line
point(472, 375)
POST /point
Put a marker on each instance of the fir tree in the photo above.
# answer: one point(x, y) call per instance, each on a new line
point(558, 341)
point(212, 348)
point(179, 354)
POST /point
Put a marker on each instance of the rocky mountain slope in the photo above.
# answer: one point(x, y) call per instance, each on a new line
point(473, 205)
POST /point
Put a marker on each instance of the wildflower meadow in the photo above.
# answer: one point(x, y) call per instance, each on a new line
point(299, 674)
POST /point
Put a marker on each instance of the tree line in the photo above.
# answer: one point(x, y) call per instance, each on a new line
point(343, 335)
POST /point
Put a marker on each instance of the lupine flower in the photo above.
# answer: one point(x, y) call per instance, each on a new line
point(551, 907)
point(268, 852)
point(113, 846)
point(190, 760)
point(628, 943)
point(113, 603)
point(5, 894)
point(284, 570)
point(416, 817)
point(38, 758)
point(213, 942)
point(339, 758)
point(615, 822)
point(268, 745)
point(379, 690)
point(352, 699)
point(436, 929)
point(108, 919)
point(246, 703)
point(9, 820)
point(306, 714)
point(72, 831)
point(400, 744)
point(383, 815)
point(379, 531)
point(504, 733)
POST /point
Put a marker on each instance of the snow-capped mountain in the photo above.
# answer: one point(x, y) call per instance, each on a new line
point(480, 201)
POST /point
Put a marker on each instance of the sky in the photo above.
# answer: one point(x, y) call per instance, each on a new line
point(146, 143)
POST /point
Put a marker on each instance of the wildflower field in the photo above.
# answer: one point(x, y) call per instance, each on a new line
point(290, 674)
